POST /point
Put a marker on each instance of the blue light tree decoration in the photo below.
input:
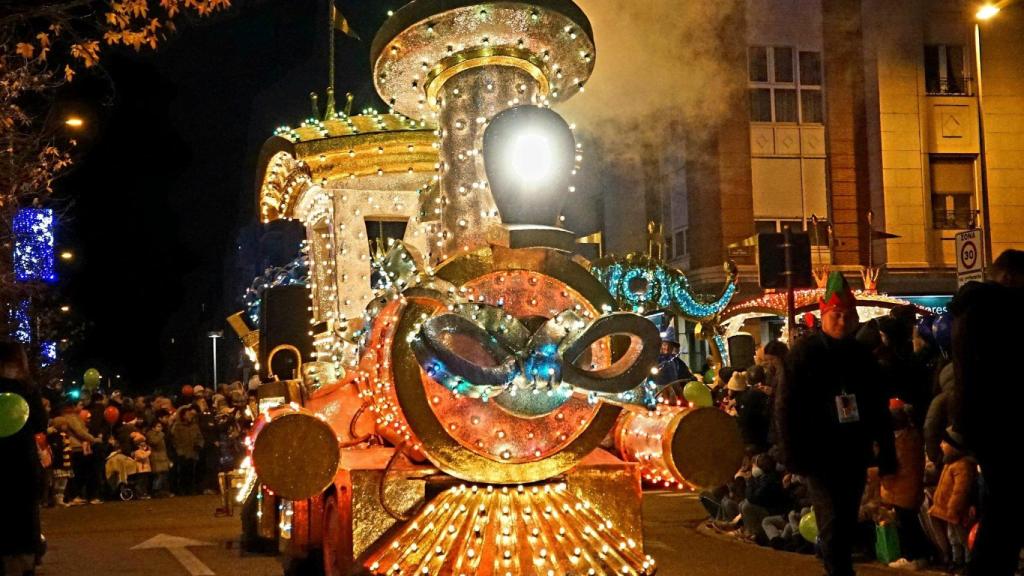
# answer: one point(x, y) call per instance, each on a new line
point(21, 322)
point(33, 245)
point(48, 352)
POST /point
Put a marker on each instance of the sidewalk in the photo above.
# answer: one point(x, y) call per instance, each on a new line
point(672, 537)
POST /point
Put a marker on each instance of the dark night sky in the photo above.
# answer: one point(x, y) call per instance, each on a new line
point(167, 176)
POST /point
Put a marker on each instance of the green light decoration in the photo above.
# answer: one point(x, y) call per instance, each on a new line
point(645, 285)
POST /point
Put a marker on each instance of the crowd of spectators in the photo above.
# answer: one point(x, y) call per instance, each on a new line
point(929, 498)
point(110, 446)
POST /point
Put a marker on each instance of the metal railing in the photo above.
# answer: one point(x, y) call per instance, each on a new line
point(954, 219)
point(962, 86)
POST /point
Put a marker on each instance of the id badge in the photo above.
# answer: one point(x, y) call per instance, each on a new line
point(846, 407)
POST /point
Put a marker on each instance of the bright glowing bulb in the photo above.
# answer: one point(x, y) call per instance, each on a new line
point(74, 122)
point(987, 12)
point(530, 157)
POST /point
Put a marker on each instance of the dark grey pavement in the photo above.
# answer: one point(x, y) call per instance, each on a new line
point(98, 540)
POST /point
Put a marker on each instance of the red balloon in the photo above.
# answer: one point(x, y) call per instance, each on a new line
point(85, 415)
point(186, 390)
point(111, 414)
point(972, 536)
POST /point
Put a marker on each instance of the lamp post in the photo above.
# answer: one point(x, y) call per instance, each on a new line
point(214, 335)
point(984, 14)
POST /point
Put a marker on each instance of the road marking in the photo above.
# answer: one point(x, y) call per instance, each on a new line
point(178, 547)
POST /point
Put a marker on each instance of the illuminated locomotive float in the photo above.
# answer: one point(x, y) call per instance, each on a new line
point(466, 366)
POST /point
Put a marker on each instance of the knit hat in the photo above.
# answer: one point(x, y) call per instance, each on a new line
point(896, 404)
point(738, 382)
point(838, 294)
point(953, 438)
point(197, 390)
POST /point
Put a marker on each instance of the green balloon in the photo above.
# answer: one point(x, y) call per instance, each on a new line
point(809, 527)
point(91, 379)
point(697, 394)
point(13, 414)
point(709, 376)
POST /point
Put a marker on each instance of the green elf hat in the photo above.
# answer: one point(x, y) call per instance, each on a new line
point(838, 294)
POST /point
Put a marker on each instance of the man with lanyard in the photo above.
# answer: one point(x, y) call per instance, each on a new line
point(832, 412)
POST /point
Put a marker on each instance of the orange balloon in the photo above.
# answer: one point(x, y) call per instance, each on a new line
point(186, 390)
point(111, 414)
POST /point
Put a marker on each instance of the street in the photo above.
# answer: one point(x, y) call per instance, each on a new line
point(99, 540)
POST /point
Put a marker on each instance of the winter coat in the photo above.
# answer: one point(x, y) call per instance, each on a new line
point(141, 456)
point(753, 414)
point(952, 498)
point(938, 418)
point(988, 394)
point(814, 441)
point(158, 458)
point(78, 434)
point(767, 492)
point(905, 488)
point(22, 477)
point(187, 439)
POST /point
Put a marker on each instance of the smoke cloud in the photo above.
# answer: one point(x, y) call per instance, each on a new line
point(658, 58)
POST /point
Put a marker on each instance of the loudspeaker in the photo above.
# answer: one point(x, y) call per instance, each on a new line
point(741, 351)
point(771, 260)
point(285, 319)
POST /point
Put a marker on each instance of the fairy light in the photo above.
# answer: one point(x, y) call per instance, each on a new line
point(33, 230)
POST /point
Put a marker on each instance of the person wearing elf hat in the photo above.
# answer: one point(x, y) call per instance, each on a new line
point(831, 412)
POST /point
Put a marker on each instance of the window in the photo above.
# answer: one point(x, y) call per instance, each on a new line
point(952, 193)
point(785, 86)
point(944, 67)
point(760, 105)
point(758, 56)
point(679, 243)
point(381, 234)
point(819, 232)
point(810, 68)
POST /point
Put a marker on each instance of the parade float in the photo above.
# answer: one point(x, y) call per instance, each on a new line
point(468, 367)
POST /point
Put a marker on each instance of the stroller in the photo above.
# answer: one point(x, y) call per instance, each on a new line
point(120, 473)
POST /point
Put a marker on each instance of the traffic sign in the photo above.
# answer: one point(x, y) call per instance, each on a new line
point(970, 257)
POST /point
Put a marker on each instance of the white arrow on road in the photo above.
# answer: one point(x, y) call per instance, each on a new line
point(177, 546)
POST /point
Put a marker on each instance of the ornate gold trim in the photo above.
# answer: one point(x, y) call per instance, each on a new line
point(453, 65)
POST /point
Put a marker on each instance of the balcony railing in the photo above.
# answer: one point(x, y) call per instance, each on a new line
point(963, 86)
point(954, 219)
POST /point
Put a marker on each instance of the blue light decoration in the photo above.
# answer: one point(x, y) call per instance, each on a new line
point(33, 245)
point(644, 285)
point(48, 353)
point(295, 272)
point(21, 322)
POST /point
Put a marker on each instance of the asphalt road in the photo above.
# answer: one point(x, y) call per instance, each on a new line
point(98, 540)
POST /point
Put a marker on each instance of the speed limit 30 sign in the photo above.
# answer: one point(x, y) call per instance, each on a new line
point(970, 260)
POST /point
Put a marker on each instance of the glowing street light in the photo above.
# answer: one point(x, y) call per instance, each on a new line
point(67, 256)
point(74, 122)
point(987, 12)
point(65, 308)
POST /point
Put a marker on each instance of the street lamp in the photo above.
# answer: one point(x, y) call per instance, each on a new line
point(984, 14)
point(65, 308)
point(67, 255)
point(987, 12)
point(214, 335)
point(74, 122)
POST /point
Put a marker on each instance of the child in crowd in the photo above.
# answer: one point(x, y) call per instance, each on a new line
point(144, 470)
point(951, 505)
point(904, 490)
point(60, 449)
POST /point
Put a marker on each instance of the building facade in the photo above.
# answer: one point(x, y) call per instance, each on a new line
point(846, 108)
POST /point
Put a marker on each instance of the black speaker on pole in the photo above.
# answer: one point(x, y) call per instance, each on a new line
point(285, 320)
point(741, 351)
point(771, 260)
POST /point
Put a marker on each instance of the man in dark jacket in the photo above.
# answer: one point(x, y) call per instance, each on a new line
point(831, 413)
point(986, 407)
